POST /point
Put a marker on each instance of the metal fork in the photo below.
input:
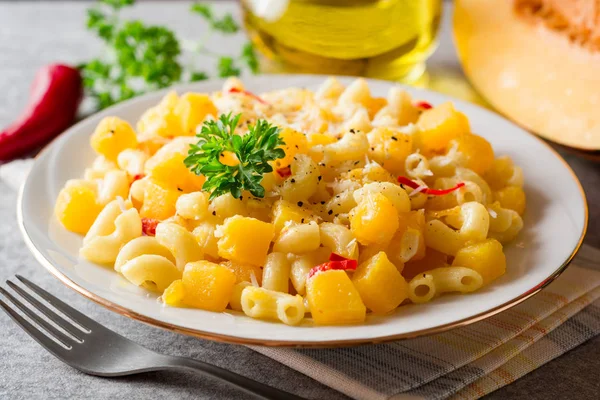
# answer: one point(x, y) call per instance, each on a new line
point(96, 350)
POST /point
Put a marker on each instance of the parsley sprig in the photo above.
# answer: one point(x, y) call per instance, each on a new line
point(254, 151)
point(141, 57)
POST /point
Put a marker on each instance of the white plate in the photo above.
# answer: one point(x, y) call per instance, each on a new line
point(555, 223)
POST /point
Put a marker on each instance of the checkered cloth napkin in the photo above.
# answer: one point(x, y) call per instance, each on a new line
point(464, 363)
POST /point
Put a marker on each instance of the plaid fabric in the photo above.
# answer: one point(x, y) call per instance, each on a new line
point(467, 362)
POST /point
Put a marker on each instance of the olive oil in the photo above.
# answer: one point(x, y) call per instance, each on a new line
point(386, 39)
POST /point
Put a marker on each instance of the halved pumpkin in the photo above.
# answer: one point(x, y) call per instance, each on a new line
point(536, 61)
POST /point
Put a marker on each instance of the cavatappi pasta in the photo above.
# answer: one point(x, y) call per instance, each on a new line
point(377, 203)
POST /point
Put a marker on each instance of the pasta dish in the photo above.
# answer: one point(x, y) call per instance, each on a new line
point(296, 205)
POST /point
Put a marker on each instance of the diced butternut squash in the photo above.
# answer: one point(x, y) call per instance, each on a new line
point(284, 211)
point(112, 136)
point(207, 285)
point(161, 119)
point(77, 207)
point(478, 153)
point(172, 173)
point(374, 104)
point(438, 126)
point(315, 139)
point(245, 240)
point(295, 142)
point(243, 272)
point(512, 197)
point(374, 220)
point(380, 285)
point(174, 294)
point(485, 257)
point(333, 299)
point(389, 148)
point(159, 202)
point(192, 109)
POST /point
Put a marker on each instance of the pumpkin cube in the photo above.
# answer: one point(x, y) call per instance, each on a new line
point(112, 136)
point(159, 202)
point(192, 109)
point(172, 173)
point(374, 220)
point(284, 211)
point(478, 153)
point(295, 142)
point(333, 299)
point(77, 207)
point(485, 257)
point(512, 197)
point(207, 285)
point(438, 126)
point(243, 272)
point(245, 240)
point(380, 285)
point(174, 294)
point(389, 148)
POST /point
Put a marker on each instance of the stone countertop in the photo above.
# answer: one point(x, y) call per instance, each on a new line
point(35, 33)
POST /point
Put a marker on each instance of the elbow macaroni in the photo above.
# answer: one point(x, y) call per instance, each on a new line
point(335, 191)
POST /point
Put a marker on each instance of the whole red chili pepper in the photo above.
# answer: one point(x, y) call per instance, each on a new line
point(55, 96)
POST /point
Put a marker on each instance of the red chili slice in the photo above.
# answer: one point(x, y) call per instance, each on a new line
point(433, 192)
point(137, 177)
point(345, 265)
point(423, 104)
point(247, 93)
point(337, 257)
point(284, 172)
point(149, 226)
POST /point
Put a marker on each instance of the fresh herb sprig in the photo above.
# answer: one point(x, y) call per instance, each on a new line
point(254, 151)
point(141, 57)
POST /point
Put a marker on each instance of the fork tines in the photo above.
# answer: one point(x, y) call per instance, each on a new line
point(56, 340)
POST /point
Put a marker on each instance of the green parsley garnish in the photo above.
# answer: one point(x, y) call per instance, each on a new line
point(141, 57)
point(254, 151)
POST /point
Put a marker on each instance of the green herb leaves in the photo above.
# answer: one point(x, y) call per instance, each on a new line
point(226, 24)
point(141, 57)
point(253, 151)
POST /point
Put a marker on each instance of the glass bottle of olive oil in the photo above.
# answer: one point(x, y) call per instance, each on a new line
point(386, 39)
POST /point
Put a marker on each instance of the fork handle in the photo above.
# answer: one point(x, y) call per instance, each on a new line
point(246, 384)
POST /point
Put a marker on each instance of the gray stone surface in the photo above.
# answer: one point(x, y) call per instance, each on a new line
point(33, 34)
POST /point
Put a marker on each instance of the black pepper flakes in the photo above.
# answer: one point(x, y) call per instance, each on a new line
point(356, 162)
point(322, 202)
point(300, 204)
point(330, 212)
point(179, 189)
point(293, 180)
point(394, 138)
point(319, 178)
point(302, 221)
point(352, 131)
point(372, 148)
point(214, 213)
